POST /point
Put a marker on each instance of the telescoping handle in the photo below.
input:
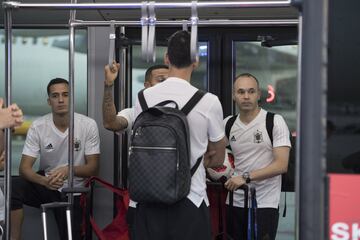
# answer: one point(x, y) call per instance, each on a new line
point(46, 206)
point(246, 196)
point(67, 205)
point(231, 204)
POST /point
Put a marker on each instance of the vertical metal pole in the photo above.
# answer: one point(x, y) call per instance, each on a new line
point(122, 99)
point(68, 222)
point(43, 214)
point(298, 108)
point(312, 130)
point(71, 105)
point(8, 78)
point(71, 117)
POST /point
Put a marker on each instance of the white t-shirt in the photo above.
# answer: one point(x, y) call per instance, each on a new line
point(252, 149)
point(128, 114)
point(204, 120)
point(44, 140)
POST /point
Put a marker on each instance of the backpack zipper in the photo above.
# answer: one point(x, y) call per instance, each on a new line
point(156, 148)
point(153, 148)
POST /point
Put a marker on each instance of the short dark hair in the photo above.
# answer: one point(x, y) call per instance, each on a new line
point(152, 68)
point(56, 81)
point(179, 49)
point(248, 75)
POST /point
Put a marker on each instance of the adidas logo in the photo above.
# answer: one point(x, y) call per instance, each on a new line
point(233, 139)
point(49, 146)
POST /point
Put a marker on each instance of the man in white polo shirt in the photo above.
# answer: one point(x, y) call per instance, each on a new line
point(258, 162)
point(189, 218)
point(47, 139)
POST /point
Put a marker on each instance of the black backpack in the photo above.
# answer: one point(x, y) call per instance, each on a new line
point(159, 161)
point(288, 178)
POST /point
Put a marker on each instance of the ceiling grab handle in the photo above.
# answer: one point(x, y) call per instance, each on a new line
point(112, 38)
point(184, 25)
point(144, 30)
point(151, 36)
point(194, 32)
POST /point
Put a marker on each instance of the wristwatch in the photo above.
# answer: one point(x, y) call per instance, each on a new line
point(246, 177)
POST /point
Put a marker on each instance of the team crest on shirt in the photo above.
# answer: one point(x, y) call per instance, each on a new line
point(77, 144)
point(258, 137)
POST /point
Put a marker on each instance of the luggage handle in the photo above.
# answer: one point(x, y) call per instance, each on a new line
point(231, 204)
point(45, 206)
point(246, 197)
point(75, 190)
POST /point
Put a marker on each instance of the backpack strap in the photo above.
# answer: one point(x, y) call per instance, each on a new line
point(269, 129)
point(186, 109)
point(142, 100)
point(270, 125)
point(229, 124)
point(192, 102)
point(194, 168)
point(163, 103)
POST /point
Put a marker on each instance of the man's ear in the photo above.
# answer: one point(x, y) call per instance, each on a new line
point(166, 59)
point(146, 84)
point(48, 101)
point(196, 63)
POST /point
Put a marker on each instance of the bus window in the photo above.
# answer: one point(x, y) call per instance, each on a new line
point(40, 55)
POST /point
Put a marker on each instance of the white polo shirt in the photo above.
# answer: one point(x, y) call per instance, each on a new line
point(205, 123)
point(128, 114)
point(252, 149)
point(44, 140)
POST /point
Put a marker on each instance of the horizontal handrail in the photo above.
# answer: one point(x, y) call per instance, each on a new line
point(204, 23)
point(158, 5)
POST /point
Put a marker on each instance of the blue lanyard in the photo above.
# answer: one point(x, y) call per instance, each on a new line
point(253, 209)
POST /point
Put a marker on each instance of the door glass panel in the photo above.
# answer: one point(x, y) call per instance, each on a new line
point(276, 70)
point(199, 77)
point(40, 55)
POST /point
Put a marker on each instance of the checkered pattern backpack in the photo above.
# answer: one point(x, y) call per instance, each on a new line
point(159, 161)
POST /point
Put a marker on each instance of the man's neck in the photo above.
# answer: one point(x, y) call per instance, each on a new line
point(61, 122)
point(183, 73)
point(247, 116)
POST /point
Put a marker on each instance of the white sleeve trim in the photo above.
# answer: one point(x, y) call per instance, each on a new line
point(128, 114)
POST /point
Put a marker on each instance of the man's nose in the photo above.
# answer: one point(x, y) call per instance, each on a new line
point(61, 98)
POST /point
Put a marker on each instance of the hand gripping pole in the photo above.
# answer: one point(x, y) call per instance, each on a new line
point(112, 38)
